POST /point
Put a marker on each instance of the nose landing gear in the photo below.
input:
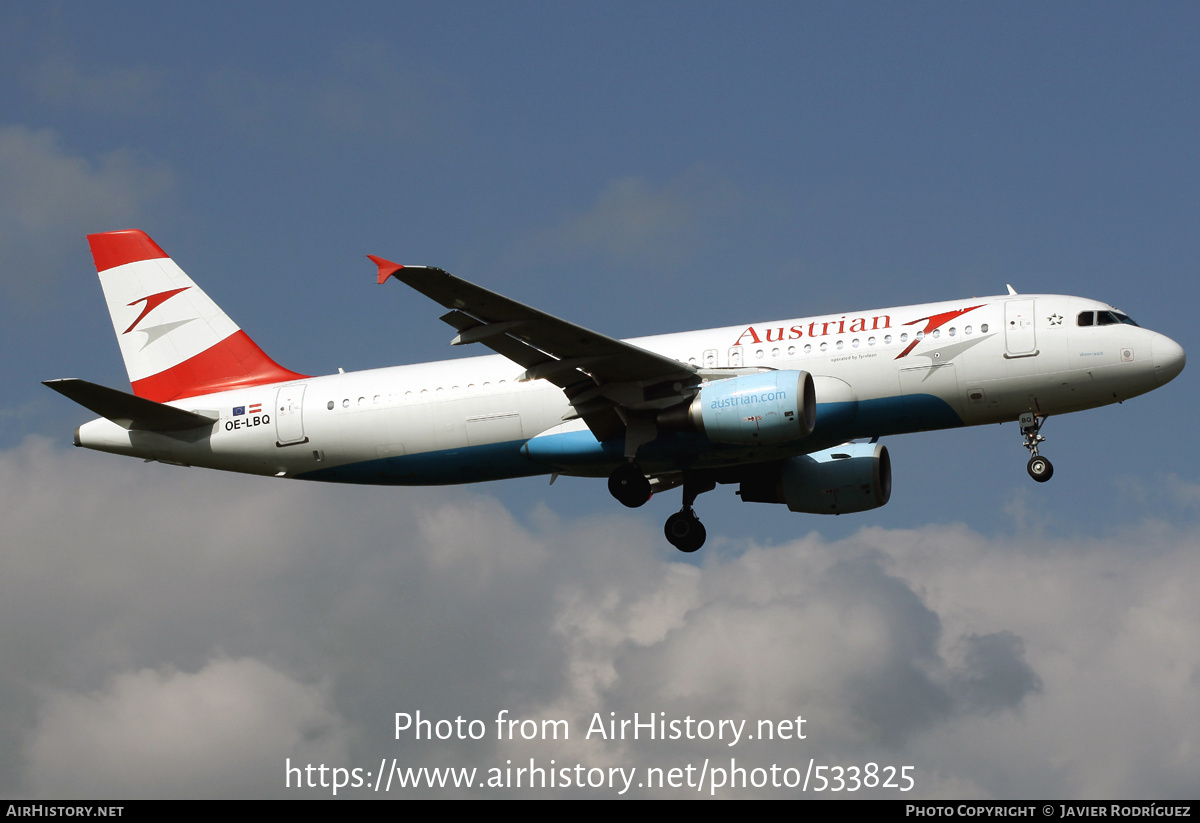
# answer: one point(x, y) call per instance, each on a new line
point(1039, 468)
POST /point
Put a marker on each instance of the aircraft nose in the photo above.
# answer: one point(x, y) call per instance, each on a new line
point(1169, 358)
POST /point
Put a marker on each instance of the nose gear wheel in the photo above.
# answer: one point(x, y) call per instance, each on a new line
point(1039, 468)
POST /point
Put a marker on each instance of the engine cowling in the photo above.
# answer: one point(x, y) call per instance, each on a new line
point(854, 477)
point(751, 409)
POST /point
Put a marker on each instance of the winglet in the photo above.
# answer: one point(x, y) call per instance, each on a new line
point(386, 267)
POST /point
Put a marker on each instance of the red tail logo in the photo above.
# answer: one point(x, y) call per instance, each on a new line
point(152, 302)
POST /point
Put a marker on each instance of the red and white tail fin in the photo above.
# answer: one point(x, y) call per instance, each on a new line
point(175, 340)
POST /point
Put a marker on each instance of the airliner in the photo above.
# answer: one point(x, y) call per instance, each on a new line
point(789, 411)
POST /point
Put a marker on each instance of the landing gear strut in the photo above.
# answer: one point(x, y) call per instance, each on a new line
point(1039, 468)
point(684, 530)
point(629, 485)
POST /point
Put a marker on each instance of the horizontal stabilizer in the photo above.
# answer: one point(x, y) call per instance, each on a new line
point(126, 410)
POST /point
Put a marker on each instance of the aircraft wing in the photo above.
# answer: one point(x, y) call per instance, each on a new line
point(604, 378)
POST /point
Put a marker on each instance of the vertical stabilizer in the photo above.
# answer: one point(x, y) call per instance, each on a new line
point(175, 340)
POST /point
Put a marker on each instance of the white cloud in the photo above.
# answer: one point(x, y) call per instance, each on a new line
point(634, 221)
point(121, 90)
point(354, 92)
point(995, 666)
point(216, 732)
point(50, 198)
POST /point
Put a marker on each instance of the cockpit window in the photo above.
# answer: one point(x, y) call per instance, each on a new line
point(1104, 318)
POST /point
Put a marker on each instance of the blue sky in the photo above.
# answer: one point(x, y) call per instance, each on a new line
point(636, 168)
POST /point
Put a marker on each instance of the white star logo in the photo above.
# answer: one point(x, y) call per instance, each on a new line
point(1056, 319)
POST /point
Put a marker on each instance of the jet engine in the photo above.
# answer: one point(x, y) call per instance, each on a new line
point(752, 409)
point(854, 477)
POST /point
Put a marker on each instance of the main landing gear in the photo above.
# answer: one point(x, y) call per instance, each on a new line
point(684, 530)
point(629, 485)
point(1039, 468)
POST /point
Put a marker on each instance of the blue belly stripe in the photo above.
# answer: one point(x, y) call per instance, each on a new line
point(836, 423)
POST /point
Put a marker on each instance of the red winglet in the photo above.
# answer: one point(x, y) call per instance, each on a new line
point(386, 267)
point(116, 248)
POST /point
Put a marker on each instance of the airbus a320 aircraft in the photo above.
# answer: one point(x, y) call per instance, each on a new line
point(773, 407)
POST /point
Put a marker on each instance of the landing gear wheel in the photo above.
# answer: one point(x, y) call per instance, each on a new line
point(1040, 469)
point(684, 531)
point(629, 486)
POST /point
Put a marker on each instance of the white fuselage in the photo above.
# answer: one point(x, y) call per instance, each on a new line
point(984, 360)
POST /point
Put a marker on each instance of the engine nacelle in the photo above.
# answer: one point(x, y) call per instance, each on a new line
point(752, 409)
point(854, 477)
